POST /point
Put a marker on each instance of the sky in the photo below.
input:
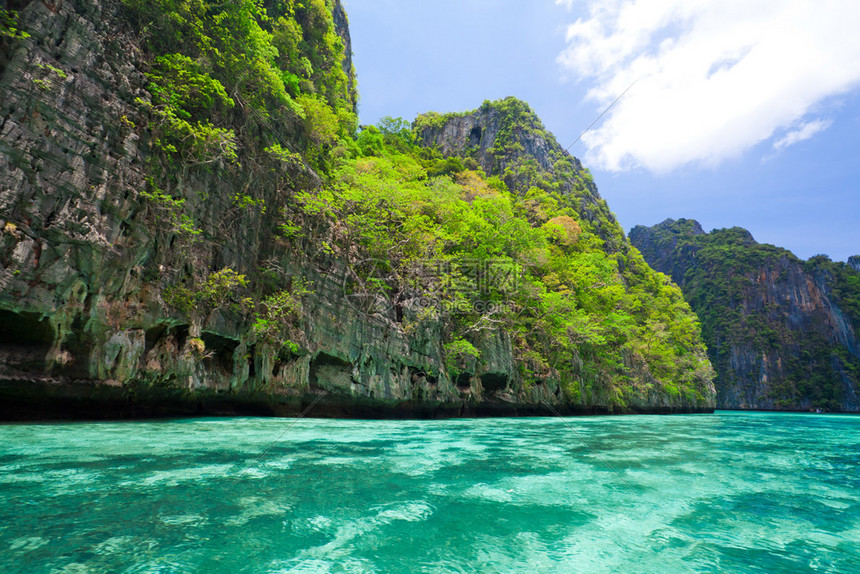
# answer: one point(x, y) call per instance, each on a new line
point(734, 112)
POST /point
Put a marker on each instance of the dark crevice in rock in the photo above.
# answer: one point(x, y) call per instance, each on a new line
point(252, 368)
point(153, 335)
point(475, 136)
point(59, 40)
point(493, 382)
point(78, 346)
point(16, 5)
point(24, 329)
point(181, 334)
point(222, 350)
point(25, 341)
point(463, 381)
point(417, 375)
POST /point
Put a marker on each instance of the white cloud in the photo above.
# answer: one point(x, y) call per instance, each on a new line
point(713, 77)
point(802, 133)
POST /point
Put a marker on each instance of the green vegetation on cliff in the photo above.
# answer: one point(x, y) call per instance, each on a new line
point(416, 224)
point(603, 323)
point(244, 74)
point(235, 233)
point(771, 321)
point(247, 90)
point(843, 281)
point(543, 163)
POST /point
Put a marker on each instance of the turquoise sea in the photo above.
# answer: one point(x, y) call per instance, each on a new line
point(730, 492)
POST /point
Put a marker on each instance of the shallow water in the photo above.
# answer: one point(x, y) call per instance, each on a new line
point(731, 492)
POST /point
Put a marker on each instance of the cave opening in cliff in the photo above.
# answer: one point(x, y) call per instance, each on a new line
point(25, 329)
point(464, 381)
point(328, 371)
point(162, 332)
point(25, 340)
point(493, 382)
point(417, 375)
point(222, 350)
point(153, 335)
point(475, 136)
point(181, 333)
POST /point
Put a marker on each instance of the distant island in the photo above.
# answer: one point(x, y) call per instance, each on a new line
point(781, 332)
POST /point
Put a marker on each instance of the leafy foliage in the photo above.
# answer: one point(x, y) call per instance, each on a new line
point(170, 209)
point(220, 290)
point(576, 313)
point(262, 84)
point(278, 315)
point(458, 352)
point(9, 27)
point(208, 58)
point(250, 90)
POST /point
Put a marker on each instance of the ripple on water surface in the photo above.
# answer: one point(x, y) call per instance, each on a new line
point(731, 492)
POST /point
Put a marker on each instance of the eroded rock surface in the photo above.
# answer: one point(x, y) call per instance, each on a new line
point(86, 263)
point(777, 334)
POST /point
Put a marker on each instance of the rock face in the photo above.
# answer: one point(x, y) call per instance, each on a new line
point(87, 263)
point(507, 140)
point(781, 333)
point(341, 25)
point(496, 136)
point(854, 262)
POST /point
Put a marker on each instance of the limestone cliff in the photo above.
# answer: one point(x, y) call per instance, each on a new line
point(139, 277)
point(781, 333)
point(508, 140)
point(341, 25)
